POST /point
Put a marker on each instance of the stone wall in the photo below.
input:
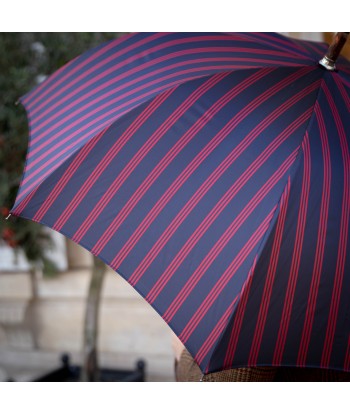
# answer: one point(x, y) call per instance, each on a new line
point(34, 332)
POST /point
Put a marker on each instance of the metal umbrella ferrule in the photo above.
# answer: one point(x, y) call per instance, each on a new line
point(329, 60)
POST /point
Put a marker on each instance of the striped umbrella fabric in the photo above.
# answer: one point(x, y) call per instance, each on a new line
point(212, 172)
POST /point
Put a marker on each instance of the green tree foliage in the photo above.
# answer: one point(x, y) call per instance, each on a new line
point(25, 60)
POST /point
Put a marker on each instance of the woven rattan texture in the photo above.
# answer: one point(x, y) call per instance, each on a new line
point(187, 370)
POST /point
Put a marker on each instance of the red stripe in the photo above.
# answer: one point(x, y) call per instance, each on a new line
point(159, 206)
point(209, 300)
point(30, 101)
point(344, 68)
point(140, 68)
point(219, 245)
point(62, 143)
point(200, 123)
point(200, 192)
point(181, 216)
point(284, 41)
point(342, 90)
point(344, 81)
point(136, 159)
point(343, 237)
point(24, 202)
point(91, 130)
point(114, 150)
point(238, 318)
point(109, 156)
point(266, 39)
point(27, 98)
point(47, 141)
point(216, 332)
point(73, 167)
point(178, 182)
point(215, 212)
point(321, 241)
point(34, 97)
point(293, 275)
point(78, 141)
point(102, 62)
point(114, 91)
point(270, 278)
point(60, 132)
point(317, 47)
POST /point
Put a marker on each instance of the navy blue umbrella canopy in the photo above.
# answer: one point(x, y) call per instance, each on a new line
point(211, 171)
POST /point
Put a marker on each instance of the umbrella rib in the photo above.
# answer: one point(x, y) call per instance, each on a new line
point(43, 139)
point(246, 287)
point(277, 46)
point(18, 208)
point(268, 231)
point(105, 124)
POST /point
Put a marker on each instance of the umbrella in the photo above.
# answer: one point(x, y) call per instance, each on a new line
point(211, 171)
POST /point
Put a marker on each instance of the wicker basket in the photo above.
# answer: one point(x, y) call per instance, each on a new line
point(243, 374)
point(187, 370)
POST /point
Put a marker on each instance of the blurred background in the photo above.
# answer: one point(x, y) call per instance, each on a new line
point(45, 278)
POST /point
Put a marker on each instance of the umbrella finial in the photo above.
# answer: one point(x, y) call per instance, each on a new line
point(328, 61)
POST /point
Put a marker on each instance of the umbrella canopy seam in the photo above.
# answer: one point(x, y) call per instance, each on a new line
point(269, 229)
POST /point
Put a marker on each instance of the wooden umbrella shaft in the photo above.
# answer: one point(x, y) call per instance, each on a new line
point(328, 61)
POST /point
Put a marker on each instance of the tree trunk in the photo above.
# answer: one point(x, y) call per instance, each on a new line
point(89, 370)
point(31, 319)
